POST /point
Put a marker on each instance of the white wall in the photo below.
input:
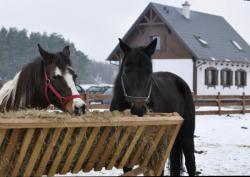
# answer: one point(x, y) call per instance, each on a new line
point(180, 67)
point(203, 89)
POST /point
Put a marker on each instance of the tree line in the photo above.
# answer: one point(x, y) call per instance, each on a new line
point(18, 48)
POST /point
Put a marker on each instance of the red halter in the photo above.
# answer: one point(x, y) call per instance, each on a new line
point(63, 100)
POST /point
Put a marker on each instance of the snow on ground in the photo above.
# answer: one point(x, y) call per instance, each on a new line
point(222, 143)
point(225, 141)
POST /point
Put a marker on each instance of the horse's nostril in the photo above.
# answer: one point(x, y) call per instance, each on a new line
point(80, 110)
point(77, 110)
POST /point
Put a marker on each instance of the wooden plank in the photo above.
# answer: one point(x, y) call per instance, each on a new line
point(98, 106)
point(80, 137)
point(154, 145)
point(219, 103)
point(10, 149)
point(119, 148)
point(98, 149)
point(90, 122)
point(25, 145)
point(35, 153)
point(171, 139)
point(61, 151)
point(204, 104)
point(222, 112)
point(108, 149)
point(99, 97)
point(215, 96)
point(45, 159)
point(135, 159)
point(206, 112)
point(243, 103)
point(2, 135)
point(131, 147)
point(86, 150)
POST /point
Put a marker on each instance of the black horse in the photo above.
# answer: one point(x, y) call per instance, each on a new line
point(138, 88)
point(49, 79)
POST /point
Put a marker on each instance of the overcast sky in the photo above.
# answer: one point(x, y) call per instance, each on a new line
point(95, 25)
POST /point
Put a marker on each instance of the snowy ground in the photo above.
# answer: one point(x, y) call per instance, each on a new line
point(222, 143)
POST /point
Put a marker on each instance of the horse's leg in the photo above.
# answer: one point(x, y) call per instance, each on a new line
point(188, 150)
point(176, 158)
point(126, 169)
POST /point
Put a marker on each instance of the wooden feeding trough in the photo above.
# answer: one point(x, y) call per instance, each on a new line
point(39, 146)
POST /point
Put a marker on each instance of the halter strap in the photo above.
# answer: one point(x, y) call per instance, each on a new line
point(62, 100)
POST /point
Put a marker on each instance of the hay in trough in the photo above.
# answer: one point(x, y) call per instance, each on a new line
point(43, 114)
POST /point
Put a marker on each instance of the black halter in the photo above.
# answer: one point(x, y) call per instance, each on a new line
point(137, 100)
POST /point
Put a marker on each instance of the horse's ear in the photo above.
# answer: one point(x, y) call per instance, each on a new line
point(66, 51)
point(125, 48)
point(150, 49)
point(44, 54)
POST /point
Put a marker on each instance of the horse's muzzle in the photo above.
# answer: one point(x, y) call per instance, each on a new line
point(139, 110)
point(79, 110)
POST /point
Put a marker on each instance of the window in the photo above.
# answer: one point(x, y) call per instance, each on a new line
point(226, 77)
point(203, 42)
point(158, 46)
point(237, 45)
point(211, 77)
point(240, 78)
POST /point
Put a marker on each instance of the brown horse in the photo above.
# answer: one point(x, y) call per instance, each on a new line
point(49, 79)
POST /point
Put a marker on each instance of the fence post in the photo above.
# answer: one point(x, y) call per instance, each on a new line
point(244, 103)
point(219, 103)
point(87, 100)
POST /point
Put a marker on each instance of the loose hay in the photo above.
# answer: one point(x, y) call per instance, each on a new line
point(43, 114)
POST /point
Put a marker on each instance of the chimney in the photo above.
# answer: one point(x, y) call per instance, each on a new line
point(186, 10)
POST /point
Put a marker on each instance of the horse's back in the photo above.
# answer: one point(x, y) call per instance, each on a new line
point(173, 91)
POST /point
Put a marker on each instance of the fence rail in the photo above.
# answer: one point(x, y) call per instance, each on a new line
point(234, 104)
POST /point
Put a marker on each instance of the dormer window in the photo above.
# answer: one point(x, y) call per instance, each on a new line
point(237, 45)
point(202, 41)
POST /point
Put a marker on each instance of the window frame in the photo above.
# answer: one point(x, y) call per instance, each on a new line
point(229, 81)
point(215, 75)
point(158, 45)
point(241, 83)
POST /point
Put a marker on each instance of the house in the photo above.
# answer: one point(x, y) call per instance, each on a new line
point(201, 48)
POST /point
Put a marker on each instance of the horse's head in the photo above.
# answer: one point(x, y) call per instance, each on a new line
point(59, 80)
point(136, 73)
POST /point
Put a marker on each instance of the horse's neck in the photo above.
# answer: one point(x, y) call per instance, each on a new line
point(22, 91)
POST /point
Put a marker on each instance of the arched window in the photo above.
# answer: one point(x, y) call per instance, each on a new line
point(226, 77)
point(211, 77)
point(240, 78)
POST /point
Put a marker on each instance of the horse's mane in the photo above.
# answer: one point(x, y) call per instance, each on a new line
point(18, 92)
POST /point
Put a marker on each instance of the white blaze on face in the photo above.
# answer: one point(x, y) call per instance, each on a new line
point(77, 102)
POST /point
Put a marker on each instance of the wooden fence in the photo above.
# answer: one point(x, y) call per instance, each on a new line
point(223, 104)
point(234, 104)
